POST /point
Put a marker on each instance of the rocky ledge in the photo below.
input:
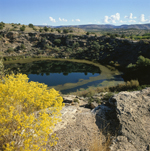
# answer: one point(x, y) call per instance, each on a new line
point(133, 112)
point(126, 116)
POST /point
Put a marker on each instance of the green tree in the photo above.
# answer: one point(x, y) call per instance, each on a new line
point(123, 36)
point(65, 31)
point(95, 46)
point(59, 31)
point(40, 30)
point(46, 28)
point(112, 36)
point(2, 25)
point(87, 33)
point(31, 25)
point(75, 45)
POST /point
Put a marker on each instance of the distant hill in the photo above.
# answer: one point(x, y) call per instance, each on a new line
point(94, 26)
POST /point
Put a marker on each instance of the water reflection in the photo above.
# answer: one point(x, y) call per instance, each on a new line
point(67, 76)
point(55, 73)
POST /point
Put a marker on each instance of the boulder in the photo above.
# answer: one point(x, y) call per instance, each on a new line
point(133, 112)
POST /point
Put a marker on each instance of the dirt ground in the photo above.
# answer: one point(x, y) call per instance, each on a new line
point(76, 131)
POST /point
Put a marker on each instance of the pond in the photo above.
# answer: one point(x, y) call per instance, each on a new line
point(66, 75)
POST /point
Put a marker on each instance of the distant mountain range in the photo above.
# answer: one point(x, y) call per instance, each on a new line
point(136, 26)
point(98, 27)
point(94, 26)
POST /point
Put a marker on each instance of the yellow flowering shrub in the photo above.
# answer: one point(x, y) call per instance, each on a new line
point(28, 112)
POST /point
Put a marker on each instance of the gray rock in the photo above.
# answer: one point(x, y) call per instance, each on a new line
point(69, 98)
point(133, 111)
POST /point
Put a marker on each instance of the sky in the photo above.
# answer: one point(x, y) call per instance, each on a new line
point(75, 12)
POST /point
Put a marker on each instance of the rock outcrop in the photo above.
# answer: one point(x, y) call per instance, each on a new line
point(126, 115)
point(133, 112)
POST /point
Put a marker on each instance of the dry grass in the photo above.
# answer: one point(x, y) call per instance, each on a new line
point(8, 26)
point(127, 86)
point(100, 143)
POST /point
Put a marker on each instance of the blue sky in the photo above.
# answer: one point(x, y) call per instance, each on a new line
point(75, 12)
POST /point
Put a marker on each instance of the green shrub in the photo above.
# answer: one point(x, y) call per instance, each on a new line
point(46, 46)
point(107, 96)
point(22, 46)
point(95, 46)
point(10, 50)
point(22, 28)
point(143, 62)
point(34, 29)
point(59, 31)
point(123, 36)
point(65, 31)
point(57, 41)
point(40, 30)
point(75, 45)
point(76, 100)
point(46, 29)
point(68, 49)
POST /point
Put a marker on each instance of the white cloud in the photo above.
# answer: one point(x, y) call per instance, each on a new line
point(106, 19)
point(112, 18)
point(63, 20)
point(78, 20)
point(45, 24)
point(134, 17)
point(142, 18)
point(52, 19)
point(131, 21)
point(130, 16)
point(117, 16)
point(121, 21)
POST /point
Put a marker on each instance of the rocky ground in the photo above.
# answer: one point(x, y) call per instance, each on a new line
point(126, 116)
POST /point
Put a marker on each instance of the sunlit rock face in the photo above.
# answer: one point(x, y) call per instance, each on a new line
point(133, 112)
